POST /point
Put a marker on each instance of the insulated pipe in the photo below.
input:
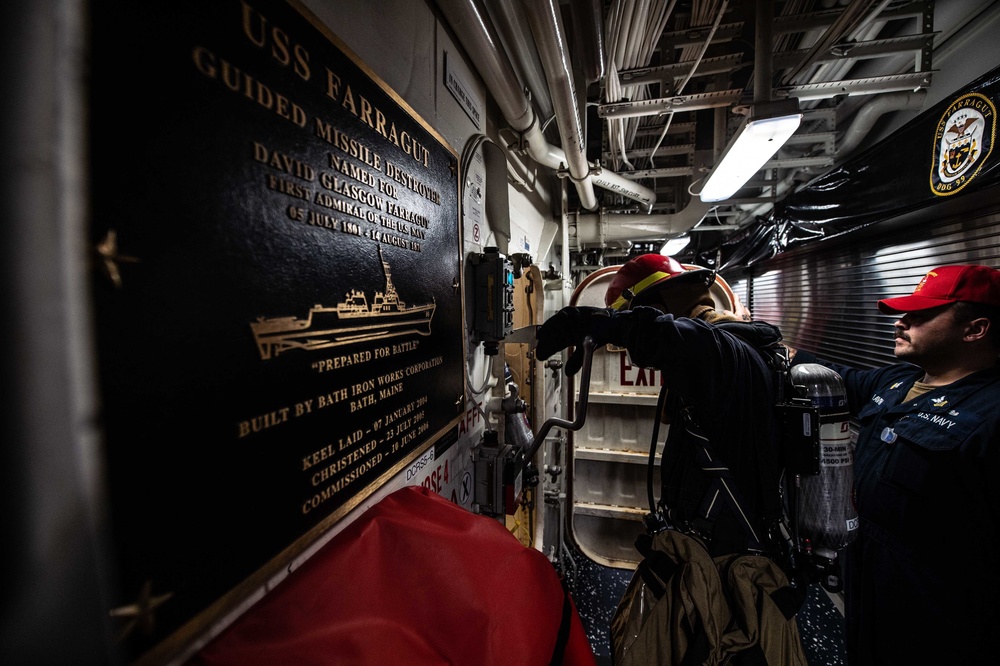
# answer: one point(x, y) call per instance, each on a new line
point(479, 39)
point(481, 42)
point(509, 20)
point(609, 180)
point(550, 40)
point(763, 53)
point(603, 227)
point(483, 46)
point(588, 24)
point(865, 119)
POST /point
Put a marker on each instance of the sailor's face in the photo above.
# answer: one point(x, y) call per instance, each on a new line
point(927, 334)
point(650, 298)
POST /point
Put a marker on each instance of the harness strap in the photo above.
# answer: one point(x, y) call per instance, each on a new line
point(723, 489)
point(768, 458)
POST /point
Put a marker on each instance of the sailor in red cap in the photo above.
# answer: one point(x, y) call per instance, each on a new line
point(923, 576)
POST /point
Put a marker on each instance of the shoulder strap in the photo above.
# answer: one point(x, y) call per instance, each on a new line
point(776, 356)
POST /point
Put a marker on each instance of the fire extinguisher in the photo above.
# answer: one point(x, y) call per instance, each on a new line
point(825, 517)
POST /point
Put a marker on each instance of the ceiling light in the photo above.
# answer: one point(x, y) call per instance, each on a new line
point(675, 245)
point(760, 136)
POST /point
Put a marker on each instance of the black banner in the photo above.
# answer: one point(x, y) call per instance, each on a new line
point(279, 322)
point(946, 152)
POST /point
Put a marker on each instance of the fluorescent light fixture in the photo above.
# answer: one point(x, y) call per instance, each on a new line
point(675, 245)
point(757, 140)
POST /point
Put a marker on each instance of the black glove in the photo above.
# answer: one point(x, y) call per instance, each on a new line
point(568, 328)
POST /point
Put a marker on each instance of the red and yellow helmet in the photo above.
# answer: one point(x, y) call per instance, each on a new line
point(647, 271)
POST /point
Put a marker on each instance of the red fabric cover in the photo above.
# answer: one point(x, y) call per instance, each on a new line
point(415, 580)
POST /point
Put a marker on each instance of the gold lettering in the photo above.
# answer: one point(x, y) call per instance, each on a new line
point(332, 85)
point(280, 42)
point(391, 391)
point(240, 82)
point(366, 113)
point(283, 162)
point(332, 398)
point(352, 170)
point(375, 118)
point(404, 347)
point(363, 468)
point(280, 48)
point(408, 181)
point(389, 239)
point(259, 40)
point(362, 402)
point(262, 422)
point(348, 102)
point(285, 186)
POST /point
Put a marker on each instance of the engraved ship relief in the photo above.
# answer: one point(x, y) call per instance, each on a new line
point(350, 321)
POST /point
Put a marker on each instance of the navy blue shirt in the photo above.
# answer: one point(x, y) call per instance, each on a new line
point(923, 576)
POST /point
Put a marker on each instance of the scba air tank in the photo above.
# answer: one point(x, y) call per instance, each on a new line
point(826, 513)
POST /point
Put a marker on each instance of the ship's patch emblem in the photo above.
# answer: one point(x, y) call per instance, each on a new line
point(962, 142)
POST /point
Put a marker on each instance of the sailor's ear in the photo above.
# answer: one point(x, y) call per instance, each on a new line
point(977, 329)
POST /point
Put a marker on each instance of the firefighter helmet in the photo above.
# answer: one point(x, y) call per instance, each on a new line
point(639, 275)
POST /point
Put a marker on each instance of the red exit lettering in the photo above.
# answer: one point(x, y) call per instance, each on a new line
point(632, 375)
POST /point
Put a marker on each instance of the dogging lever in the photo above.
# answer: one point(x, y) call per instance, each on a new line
point(588, 355)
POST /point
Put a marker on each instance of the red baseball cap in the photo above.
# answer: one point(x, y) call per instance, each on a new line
point(948, 284)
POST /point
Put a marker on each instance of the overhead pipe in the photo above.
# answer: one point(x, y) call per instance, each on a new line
point(602, 227)
point(509, 20)
point(479, 38)
point(763, 83)
point(550, 40)
point(588, 25)
point(609, 180)
point(546, 26)
point(865, 119)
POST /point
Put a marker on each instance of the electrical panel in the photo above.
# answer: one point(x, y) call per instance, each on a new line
point(494, 277)
point(499, 476)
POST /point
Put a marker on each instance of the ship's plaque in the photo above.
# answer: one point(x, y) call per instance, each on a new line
point(279, 320)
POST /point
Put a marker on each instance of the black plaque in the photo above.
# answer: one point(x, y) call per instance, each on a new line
point(279, 320)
